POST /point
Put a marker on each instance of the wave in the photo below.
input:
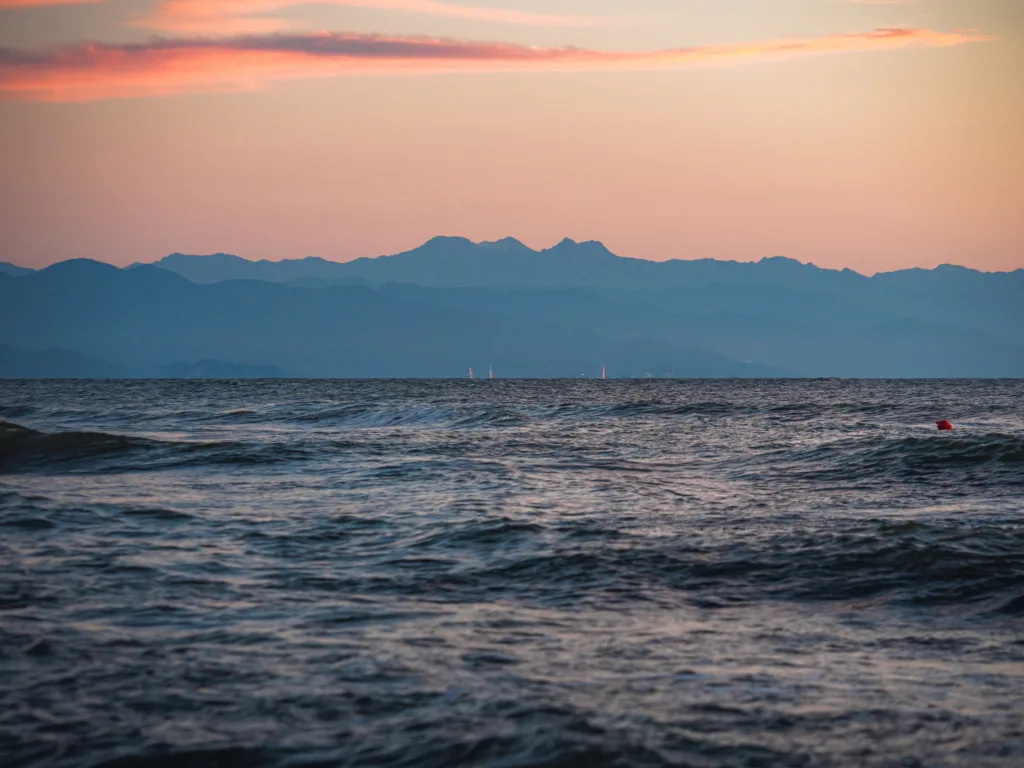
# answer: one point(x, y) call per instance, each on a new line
point(429, 415)
point(908, 563)
point(22, 448)
point(472, 415)
point(18, 443)
point(368, 416)
point(15, 411)
point(917, 458)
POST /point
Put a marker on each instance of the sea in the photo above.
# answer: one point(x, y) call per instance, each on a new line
point(584, 573)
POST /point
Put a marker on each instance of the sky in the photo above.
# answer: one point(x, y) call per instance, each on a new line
point(870, 134)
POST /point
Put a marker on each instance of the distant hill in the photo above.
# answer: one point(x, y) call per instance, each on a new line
point(13, 269)
point(147, 317)
point(54, 363)
point(219, 267)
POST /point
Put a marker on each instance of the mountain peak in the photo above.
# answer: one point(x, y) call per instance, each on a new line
point(782, 260)
point(78, 266)
point(587, 249)
point(507, 243)
point(446, 240)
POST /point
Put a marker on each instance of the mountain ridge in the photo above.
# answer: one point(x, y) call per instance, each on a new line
point(13, 270)
point(60, 363)
point(149, 317)
point(449, 246)
point(574, 305)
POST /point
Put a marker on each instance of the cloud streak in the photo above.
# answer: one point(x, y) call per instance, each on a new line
point(262, 16)
point(164, 67)
point(12, 4)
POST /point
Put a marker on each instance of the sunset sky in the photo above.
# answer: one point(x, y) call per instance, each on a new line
point(869, 134)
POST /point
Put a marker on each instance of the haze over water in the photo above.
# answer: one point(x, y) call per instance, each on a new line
point(511, 573)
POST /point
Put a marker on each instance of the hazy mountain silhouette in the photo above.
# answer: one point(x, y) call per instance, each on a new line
point(13, 269)
point(54, 363)
point(146, 317)
point(802, 292)
point(564, 311)
point(458, 262)
point(812, 336)
point(219, 267)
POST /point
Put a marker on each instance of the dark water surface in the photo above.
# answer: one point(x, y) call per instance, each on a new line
point(511, 573)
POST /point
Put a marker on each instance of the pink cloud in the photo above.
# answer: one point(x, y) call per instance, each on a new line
point(193, 65)
point(257, 16)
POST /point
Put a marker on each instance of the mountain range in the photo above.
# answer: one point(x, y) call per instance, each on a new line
point(452, 304)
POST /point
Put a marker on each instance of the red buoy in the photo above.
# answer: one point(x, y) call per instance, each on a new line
point(945, 426)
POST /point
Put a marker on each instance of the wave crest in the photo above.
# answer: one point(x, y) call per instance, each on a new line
point(20, 444)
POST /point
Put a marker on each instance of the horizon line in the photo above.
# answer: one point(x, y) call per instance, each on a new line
point(517, 241)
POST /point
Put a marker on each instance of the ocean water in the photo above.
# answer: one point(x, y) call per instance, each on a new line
point(511, 574)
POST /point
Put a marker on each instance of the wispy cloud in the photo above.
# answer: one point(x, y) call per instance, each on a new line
point(261, 16)
point(10, 4)
point(191, 65)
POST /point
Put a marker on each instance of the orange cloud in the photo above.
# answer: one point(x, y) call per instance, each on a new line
point(10, 4)
point(257, 16)
point(193, 65)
